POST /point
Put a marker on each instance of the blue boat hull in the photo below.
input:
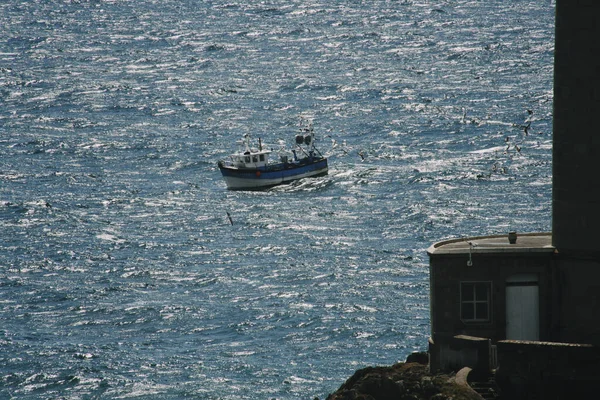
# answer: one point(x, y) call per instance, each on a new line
point(272, 175)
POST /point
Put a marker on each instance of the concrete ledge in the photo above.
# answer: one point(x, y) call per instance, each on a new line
point(526, 243)
point(452, 353)
point(462, 379)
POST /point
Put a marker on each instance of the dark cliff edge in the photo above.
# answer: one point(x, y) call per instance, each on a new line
point(410, 380)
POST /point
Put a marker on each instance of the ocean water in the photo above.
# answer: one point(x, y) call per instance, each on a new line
point(121, 276)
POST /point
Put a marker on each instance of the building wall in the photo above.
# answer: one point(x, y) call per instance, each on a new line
point(569, 295)
point(448, 271)
point(576, 144)
point(578, 301)
point(538, 370)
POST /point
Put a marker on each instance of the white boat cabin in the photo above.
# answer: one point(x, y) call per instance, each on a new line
point(249, 157)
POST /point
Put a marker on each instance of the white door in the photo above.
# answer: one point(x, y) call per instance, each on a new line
point(522, 308)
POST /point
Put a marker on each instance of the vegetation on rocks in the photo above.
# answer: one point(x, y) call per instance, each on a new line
point(402, 381)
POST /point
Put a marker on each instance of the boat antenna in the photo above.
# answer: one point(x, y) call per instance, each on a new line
point(247, 142)
point(259, 145)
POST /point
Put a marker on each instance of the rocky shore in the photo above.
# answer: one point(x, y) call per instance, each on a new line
point(409, 380)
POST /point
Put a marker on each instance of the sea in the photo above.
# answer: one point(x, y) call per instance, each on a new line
point(122, 275)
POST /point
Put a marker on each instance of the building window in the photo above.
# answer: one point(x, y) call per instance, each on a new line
point(475, 301)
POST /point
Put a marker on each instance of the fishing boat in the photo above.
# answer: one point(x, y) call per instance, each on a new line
point(251, 169)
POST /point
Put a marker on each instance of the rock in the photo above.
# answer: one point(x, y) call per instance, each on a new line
point(402, 381)
point(418, 357)
point(440, 396)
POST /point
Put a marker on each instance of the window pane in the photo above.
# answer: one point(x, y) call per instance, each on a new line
point(481, 310)
point(467, 291)
point(467, 311)
point(481, 292)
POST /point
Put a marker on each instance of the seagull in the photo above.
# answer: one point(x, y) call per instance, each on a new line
point(527, 122)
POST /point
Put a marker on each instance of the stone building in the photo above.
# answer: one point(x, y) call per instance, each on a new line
point(530, 305)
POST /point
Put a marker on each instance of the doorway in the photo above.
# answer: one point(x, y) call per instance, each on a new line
point(522, 307)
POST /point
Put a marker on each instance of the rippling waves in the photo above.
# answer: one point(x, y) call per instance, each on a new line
point(120, 273)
